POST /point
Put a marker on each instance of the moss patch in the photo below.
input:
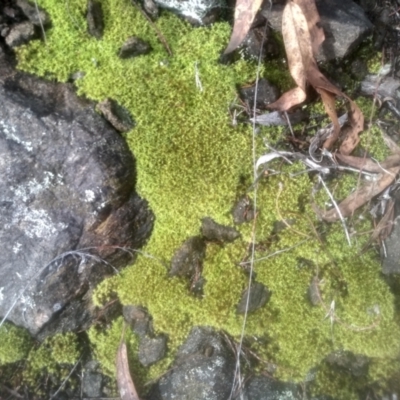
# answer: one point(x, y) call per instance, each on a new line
point(14, 344)
point(192, 163)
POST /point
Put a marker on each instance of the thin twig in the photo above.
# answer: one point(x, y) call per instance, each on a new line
point(337, 209)
point(66, 379)
point(40, 22)
point(237, 376)
point(160, 36)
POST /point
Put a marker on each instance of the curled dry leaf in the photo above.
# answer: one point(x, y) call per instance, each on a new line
point(126, 388)
point(360, 196)
point(245, 12)
point(303, 36)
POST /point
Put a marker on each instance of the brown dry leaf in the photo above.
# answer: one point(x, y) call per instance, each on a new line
point(245, 12)
point(126, 388)
point(366, 164)
point(303, 36)
point(360, 196)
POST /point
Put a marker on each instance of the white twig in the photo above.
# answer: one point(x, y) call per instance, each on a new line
point(66, 379)
point(197, 76)
point(237, 375)
point(337, 209)
point(40, 22)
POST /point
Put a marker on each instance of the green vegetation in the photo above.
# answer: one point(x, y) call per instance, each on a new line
point(14, 344)
point(191, 163)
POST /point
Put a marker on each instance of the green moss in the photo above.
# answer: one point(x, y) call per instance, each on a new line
point(14, 344)
point(190, 163)
point(374, 63)
point(55, 357)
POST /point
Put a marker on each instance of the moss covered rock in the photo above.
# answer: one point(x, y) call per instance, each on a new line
point(193, 163)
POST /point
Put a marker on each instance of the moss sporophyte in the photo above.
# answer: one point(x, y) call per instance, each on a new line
point(191, 163)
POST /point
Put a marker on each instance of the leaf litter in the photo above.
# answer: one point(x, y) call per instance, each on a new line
point(303, 36)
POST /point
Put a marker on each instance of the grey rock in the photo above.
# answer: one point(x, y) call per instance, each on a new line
point(152, 350)
point(314, 292)
point(243, 210)
point(134, 47)
point(68, 185)
point(92, 380)
point(20, 33)
point(387, 88)
point(266, 94)
point(38, 16)
point(204, 369)
point(354, 364)
point(211, 230)
point(95, 19)
point(259, 296)
point(138, 319)
point(264, 388)
point(188, 259)
point(391, 259)
point(118, 116)
point(197, 11)
point(151, 8)
point(345, 25)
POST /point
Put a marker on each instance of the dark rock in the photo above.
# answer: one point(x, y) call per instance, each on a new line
point(391, 259)
point(195, 11)
point(387, 88)
point(138, 319)
point(92, 380)
point(266, 94)
point(344, 23)
point(255, 39)
point(38, 17)
point(188, 259)
point(95, 19)
point(214, 231)
point(243, 211)
point(354, 364)
point(134, 47)
point(152, 350)
point(314, 292)
point(276, 118)
point(204, 370)
point(259, 296)
point(20, 34)
point(151, 8)
point(359, 69)
point(118, 116)
point(265, 388)
point(68, 186)
point(11, 12)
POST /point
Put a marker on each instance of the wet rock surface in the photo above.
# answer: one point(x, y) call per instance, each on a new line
point(203, 370)
point(68, 185)
point(345, 25)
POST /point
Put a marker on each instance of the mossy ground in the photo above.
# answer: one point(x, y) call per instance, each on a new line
point(192, 163)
